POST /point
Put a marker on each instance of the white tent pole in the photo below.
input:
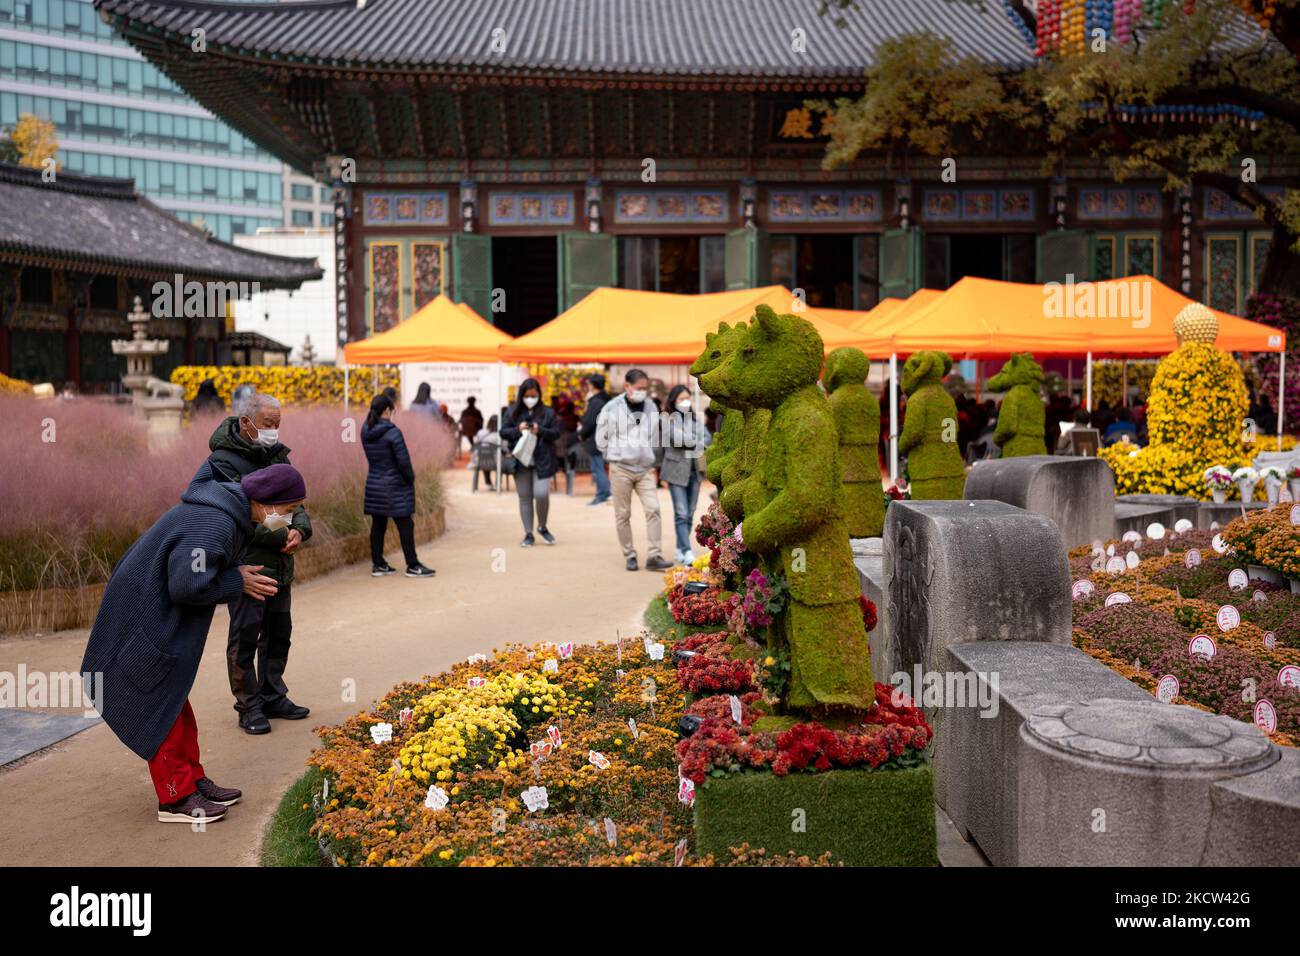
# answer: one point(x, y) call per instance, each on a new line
point(1088, 372)
point(893, 418)
point(1281, 395)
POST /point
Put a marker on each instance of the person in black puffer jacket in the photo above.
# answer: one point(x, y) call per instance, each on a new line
point(533, 483)
point(390, 489)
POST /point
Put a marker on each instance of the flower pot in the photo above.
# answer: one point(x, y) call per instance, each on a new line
point(1220, 495)
point(1273, 488)
point(1247, 489)
point(1257, 572)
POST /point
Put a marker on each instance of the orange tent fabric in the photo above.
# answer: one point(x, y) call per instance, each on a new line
point(877, 326)
point(440, 331)
point(1134, 316)
point(630, 325)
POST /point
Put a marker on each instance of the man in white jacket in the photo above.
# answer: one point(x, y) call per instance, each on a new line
point(627, 434)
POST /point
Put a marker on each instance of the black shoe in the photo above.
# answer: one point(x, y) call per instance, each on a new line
point(420, 571)
point(631, 563)
point(226, 796)
point(379, 570)
point(254, 722)
point(192, 809)
point(528, 541)
point(286, 710)
point(546, 536)
point(657, 564)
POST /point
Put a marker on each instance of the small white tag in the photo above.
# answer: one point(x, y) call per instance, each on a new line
point(1155, 531)
point(1116, 565)
point(631, 725)
point(1167, 689)
point(1192, 558)
point(611, 832)
point(1289, 676)
point(436, 798)
point(535, 799)
point(1265, 716)
point(474, 682)
point(1219, 544)
point(381, 733)
point(1132, 559)
point(1228, 617)
point(1081, 589)
point(736, 710)
point(1270, 640)
point(1237, 580)
point(686, 791)
point(597, 760)
point(1182, 526)
point(405, 716)
point(679, 852)
point(1202, 645)
point(1117, 597)
point(566, 650)
point(550, 666)
point(655, 651)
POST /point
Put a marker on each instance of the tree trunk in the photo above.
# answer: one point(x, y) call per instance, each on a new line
point(1281, 275)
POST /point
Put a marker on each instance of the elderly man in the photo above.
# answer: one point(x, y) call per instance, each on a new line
point(153, 621)
point(627, 434)
point(257, 650)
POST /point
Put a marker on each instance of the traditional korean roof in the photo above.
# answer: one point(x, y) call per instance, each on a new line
point(659, 38)
point(104, 225)
point(256, 340)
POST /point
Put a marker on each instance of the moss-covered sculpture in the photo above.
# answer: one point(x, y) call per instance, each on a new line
point(792, 519)
point(857, 422)
point(717, 346)
point(1022, 420)
point(929, 439)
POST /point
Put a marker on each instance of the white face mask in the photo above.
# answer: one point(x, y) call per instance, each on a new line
point(274, 521)
point(530, 402)
point(638, 395)
point(267, 437)
point(684, 406)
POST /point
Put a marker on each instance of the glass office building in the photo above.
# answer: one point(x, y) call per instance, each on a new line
point(117, 115)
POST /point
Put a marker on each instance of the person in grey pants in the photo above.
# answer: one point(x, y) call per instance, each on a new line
point(686, 438)
point(533, 483)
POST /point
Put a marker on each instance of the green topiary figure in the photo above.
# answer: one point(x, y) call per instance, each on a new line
point(1022, 420)
point(929, 439)
point(718, 345)
point(857, 422)
point(792, 515)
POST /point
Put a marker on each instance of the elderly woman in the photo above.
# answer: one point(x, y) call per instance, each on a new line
point(154, 618)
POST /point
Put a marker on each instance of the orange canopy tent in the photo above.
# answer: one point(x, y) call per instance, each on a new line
point(630, 325)
point(1134, 316)
point(440, 331)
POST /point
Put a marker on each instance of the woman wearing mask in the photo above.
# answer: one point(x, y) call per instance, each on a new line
point(390, 489)
point(533, 483)
point(686, 438)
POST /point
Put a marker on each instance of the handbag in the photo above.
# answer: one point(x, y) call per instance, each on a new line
point(524, 448)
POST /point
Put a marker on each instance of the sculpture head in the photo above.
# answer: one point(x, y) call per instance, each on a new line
point(1021, 369)
point(925, 368)
point(846, 366)
point(717, 346)
point(776, 356)
point(1196, 323)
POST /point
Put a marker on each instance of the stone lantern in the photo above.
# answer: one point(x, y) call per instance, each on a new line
point(159, 403)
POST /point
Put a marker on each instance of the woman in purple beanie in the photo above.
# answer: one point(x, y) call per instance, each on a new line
point(154, 618)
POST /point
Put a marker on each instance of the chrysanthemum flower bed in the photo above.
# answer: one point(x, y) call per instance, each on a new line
point(1170, 604)
point(448, 788)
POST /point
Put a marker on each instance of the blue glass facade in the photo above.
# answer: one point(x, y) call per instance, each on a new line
point(117, 115)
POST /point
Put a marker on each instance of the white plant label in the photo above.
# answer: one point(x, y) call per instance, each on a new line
point(550, 666)
point(1192, 559)
point(541, 749)
point(1259, 597)
point(1155, 531)
point(655, 651)
point(477, 658)
point(437, 798)
point(535, 799)
point(686, 791)
point(1265, 716)
point(1289, 676)
point(381, 733)
point(1118, 597)
point(553, 733)
point(679, 852)
point(566, 650)
point(1131, 536)
point(1167, 689)
point(1203, 645)
point(631, 725)
point(597, 759)
point(1182, 526)
point(611, 832)
point(1228, 618)
point(1270, 640)
point(475, 682)
point(1081, 589)
point(1237, 580)
point(1219, 544)
point(1295, 514)
point(1132, 559)
point(1116, 565)
point(735, 708)
point(1110, 550)
point(405, 716)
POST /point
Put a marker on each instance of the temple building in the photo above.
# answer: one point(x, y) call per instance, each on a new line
point(75, 253)
point(505, 157)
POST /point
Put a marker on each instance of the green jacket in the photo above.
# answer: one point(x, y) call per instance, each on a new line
point(234, 456)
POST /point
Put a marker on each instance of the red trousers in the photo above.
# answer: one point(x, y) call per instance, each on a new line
point(175, 768)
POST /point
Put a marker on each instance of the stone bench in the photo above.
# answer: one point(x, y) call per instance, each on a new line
point(1077, 494)
point(1139, 517)
point(1255, 819)
point(1209, 513)
point(977, 758)
point(1181, 506)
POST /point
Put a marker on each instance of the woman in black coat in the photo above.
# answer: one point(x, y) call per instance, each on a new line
point(533, 484)
point(390, 489)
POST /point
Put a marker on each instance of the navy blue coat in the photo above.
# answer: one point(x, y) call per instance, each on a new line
point(153, 621)
point(390, 485)
point(548, 430)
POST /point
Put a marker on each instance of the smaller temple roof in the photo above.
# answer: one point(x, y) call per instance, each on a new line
point(104, 225)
